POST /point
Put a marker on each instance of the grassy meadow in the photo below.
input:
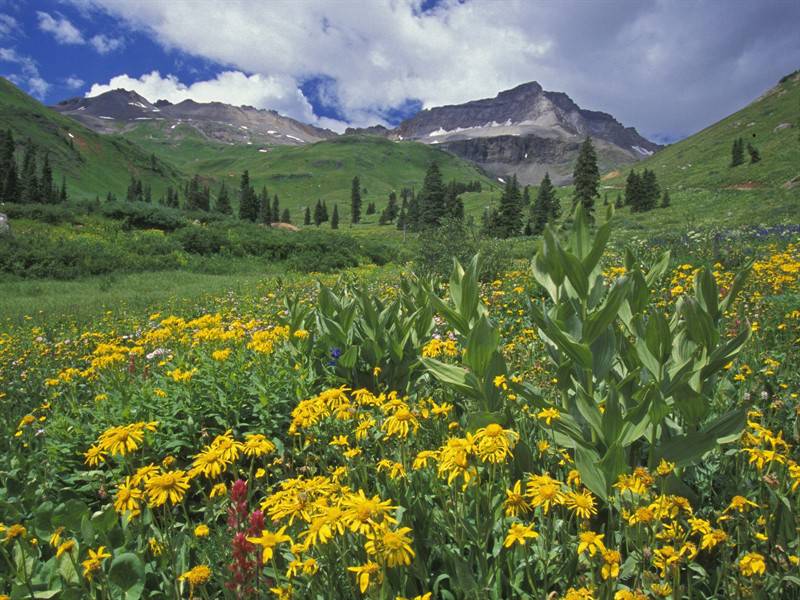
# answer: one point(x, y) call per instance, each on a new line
point(368, 433)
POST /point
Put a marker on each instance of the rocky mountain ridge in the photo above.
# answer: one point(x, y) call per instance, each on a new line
point(525, 131)
point(120, 110)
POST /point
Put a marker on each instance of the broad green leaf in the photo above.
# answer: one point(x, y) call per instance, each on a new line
point(127, 570)
point(687, 448)
point(587, 461)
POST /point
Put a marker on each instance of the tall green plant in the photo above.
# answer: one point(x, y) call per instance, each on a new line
point(634, 379)
point(369, 342)
point(469, 317)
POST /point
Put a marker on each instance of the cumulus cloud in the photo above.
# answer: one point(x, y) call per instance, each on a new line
point(664, 67)
point(66, 33)
point(73, 82)
point(8, 25)
point(104, 44)
point(28, 72)
point(61, 28)
point(231, 87)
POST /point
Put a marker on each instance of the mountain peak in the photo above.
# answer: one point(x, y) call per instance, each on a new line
point(531, 88)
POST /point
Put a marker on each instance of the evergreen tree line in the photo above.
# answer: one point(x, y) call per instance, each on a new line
point(435, 203)
point(258, 208)
point(737, 153)
point(642, 192)
point(27, 183)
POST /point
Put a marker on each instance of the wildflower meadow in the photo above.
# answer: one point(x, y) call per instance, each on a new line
point(602, 422)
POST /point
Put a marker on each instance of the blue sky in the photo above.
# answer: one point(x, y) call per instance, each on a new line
point(666, 68)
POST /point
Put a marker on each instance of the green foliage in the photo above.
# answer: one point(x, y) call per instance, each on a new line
point(654, 374)
point(366, 342)
point(355, 201)
point(737, 152)
point(546, 208)
point(586, 177)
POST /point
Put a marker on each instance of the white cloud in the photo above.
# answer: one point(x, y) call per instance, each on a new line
point(61, 28)
point(73, 82)
point(38, 87)
point(105, 44)
point(661, 66)
point(66, 33)
point(28, 76)
point(231, 87)
point(8, 25)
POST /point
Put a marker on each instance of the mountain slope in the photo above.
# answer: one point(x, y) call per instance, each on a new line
point(122, 110)
point(525, 131)
point(93, 164)
point(302, 174)
point(703, 160)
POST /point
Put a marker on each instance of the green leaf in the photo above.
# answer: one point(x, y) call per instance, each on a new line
point(686, 449)
point(699, 326)
point(597, 322)
point(457, 378)
point(482, 342)
point(657, 270)
point(572, 348)
point(592, 476)
point(70, 514)
point(736, 287)
point(707, 292)
point(576, 274)
point(127, 570)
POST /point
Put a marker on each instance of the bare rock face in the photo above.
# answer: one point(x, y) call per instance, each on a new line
point(122, 110)
point(524, 131)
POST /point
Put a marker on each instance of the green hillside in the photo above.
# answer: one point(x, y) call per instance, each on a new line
point(302, 174)
point(92, 163)
point(771, 124)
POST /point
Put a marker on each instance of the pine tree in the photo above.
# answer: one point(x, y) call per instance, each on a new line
point(194, 198)
point(509, 216)
point(665, 199)
point(28, 182)
point(223, 203)
point(148, 194)
point(371, 208)
point(618, 203)
point(276, 209)
point(325, 217)
point(542, 211)
point(307, 217)
point(633, 191)
point(265, 214)
point(319, 215)
point(650, 191)
point(737, 152)
point(11, 184)
point(335, 217)
point(586, 177)
point(248, 203)
point(285, 216)
point(431, 199)
point(755, 155)
point(412, 220)
point(8, 168)
point(355, 201)
point(391, 208)
point(47, 192)
point(62, 194)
